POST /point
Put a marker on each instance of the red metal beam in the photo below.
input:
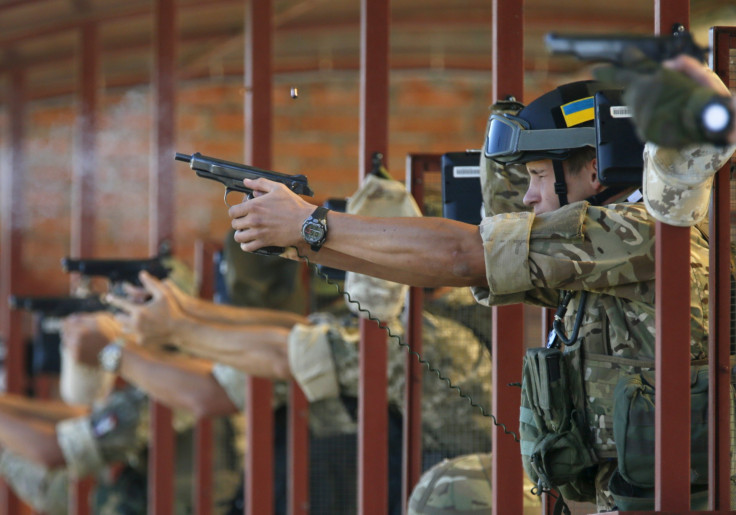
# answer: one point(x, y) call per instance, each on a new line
point(723, 39)
point(161, 466)
point(373, 403)
point(416, 166)
point(508, 321)
point(202, 495)
point(672, 356)
point(80, 493)
point(82, 203)
point(11, 239)
point(298, 451)
point(258, 148)
point(203, 470)
point(85, 155)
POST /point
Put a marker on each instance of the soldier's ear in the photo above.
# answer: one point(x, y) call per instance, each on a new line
point(592, 173)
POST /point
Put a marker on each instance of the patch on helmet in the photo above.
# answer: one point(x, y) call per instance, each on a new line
point(578, 111)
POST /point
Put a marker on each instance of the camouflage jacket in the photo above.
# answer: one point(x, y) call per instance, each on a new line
point(448, 346)
point(609, 252)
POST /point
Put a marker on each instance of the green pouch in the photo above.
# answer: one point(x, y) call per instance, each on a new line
point(553, 450)
point(633, 428)
point(632, 498)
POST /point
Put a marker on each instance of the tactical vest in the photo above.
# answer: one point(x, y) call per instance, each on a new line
point(593, 400)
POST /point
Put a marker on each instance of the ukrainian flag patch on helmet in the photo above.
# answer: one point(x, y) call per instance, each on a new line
point(578, 111)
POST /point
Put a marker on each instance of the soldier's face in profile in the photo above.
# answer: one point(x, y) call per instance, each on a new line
point(541, 196)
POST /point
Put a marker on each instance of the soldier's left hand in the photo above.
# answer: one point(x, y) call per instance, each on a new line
point(153, 322)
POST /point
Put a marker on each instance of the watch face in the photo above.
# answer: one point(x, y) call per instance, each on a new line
point(313, 232)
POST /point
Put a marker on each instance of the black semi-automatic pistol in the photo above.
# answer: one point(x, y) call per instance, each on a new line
point(117, 270)
point(611, 48)
point(232, 175)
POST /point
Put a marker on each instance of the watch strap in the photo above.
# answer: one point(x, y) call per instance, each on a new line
point(319, 215)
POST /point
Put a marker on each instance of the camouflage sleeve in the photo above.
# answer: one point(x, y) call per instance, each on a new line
point(311, 363)
point(606, 249)
point(232, 381)
point(677, 181)
point(77, 441)
point(112, 432)
point(45, 490)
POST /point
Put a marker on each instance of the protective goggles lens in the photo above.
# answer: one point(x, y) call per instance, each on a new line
point(509, 140)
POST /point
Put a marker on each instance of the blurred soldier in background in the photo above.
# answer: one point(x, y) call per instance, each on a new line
point(321, 354)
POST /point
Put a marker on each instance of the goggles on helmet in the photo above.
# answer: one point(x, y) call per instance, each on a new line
point(509, 140)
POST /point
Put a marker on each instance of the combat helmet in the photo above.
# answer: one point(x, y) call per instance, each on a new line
point(550, 127)
point(461, 485)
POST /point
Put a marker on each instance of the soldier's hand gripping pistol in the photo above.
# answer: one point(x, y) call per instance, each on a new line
point(232, 175)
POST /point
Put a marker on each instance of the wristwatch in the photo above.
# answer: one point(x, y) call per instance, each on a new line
point(716, 119)
point(110, 356)
point(314, 228)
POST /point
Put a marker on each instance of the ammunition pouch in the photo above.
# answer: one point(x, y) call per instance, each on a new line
point(553, 430)
point(632, 485)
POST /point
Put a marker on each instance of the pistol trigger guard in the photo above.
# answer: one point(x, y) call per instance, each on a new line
point(227, 191)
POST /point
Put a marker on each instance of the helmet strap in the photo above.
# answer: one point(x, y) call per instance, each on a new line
point(560, 184)
point(600, 198)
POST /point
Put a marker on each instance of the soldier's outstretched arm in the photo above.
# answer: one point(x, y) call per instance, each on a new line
point(31, 435)
point(416, 251)
point(258, 349)
point(176, 380)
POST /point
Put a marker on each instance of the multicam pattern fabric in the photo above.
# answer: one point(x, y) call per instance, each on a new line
point(110, 433)
point(503, 187)
point(608, 251)
point(462, 485)
point(44, 489)
point(678, 182)
point(448, 346)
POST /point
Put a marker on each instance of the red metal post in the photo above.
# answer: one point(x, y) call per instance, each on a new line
point(258, 103)
point(80, 493)
point(161, 468)
point(203, 472)
point(85, 156)
point(298, 437)
point(298, 452)
point(508, 321)
point(672, 355)
point(83, 187)
point(203, 432)
point(373, 403)
point(11, 239)
point(722, 40)
point(416, 166)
